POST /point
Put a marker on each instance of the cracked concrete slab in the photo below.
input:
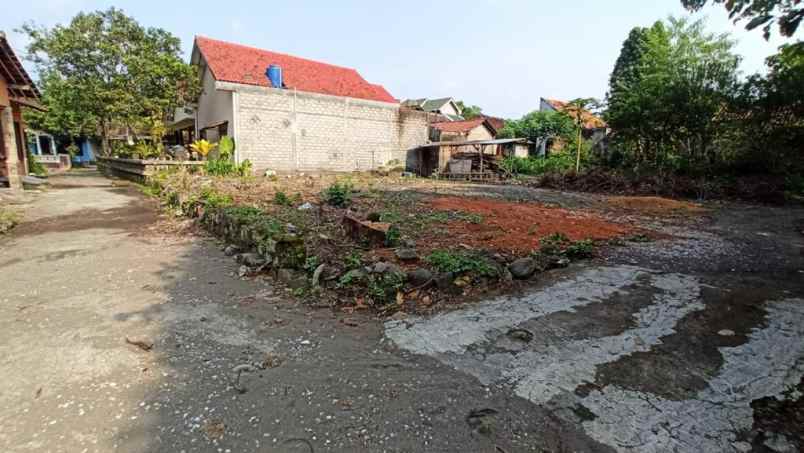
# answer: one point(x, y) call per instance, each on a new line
point(558, 369)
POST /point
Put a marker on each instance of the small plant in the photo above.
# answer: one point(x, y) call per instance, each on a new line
point(214, 199)
point(244, 169)
point(553, 244)
point(353, 260)
point(202, 147)
point(226, 147)
point(36, 167)
point(393, 236)
point(339, 194)
point(282, 199)
point(8, 220)
point(146, 151)
point(584, 248)
point(73, 150)
point(351, 277)
point(382, 289)
point(311, 264)
point(460, 263)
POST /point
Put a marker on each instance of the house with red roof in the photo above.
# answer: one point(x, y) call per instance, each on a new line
point(479, 128)
point(288, 113)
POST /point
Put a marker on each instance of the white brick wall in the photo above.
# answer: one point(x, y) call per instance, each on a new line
point(279, 130)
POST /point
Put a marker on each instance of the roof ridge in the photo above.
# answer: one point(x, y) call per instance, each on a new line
point(278, 53)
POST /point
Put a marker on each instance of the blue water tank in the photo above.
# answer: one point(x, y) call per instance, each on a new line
point(274, 74)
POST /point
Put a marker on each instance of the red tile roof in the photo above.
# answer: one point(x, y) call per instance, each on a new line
point(459, 126)
point(242, 64)
point(590, 121)
point(496, 123)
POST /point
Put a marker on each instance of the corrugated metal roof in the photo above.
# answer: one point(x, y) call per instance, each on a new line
point(499, 141)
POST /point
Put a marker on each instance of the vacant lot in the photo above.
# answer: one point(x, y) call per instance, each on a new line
point(121, 331)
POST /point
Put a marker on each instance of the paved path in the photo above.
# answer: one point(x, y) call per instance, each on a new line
point(623, 357)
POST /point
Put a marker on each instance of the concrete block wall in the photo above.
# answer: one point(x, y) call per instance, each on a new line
point(286, 131)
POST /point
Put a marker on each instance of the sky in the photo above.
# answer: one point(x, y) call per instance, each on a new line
point(503, 55)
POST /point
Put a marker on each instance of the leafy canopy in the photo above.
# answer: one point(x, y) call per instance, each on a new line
point(760, 13)
point(469, 111)
point(104, 69)
point(539, 125)
point(667, 93)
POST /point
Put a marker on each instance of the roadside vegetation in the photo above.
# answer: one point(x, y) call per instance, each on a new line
point(431, 249)
point(8, 219)
point(684, 122)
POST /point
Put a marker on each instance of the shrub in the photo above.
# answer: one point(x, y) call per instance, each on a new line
point(459, 263)
point(382, 289)
point(8, 219)
point(226, 147)
point(225, 167)
point(202, 147)
point(354, 260)
point(584, 248)
point(339, 194)
point(73, 150)
point(555, 163)
point(35, 166)
point(214, 199)
point(560, 244)
point(553, 244)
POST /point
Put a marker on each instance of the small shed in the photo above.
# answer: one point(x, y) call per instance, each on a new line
point(474, 159)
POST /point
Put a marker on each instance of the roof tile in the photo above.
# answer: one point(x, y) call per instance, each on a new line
point(236, 63)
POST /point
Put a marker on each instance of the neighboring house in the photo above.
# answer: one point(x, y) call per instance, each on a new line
point(496, 123)
point(445, 107)
point(40, 143)
point(466, 130)
point(42, 147)
point(88, 148)
point(308, 116)
point(594, 128)
point(16, 90)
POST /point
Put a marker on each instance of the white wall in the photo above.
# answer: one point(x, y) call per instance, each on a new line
point(285, 131)
point(214, 105)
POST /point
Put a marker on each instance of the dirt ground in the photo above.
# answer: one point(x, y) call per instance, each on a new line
point(692, 342)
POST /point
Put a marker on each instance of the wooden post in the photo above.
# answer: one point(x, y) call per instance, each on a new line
point(10, 142)
point(482, 147)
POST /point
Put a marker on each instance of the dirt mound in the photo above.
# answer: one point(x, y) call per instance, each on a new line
point(657, 205)
point(517, 227)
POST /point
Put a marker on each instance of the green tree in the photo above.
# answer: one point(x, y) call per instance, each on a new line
point(668, 93)
point(469, 111)
point(767, 117)
point(107, 70)
point(577, 109)
point(540, 125)
point(759, 13)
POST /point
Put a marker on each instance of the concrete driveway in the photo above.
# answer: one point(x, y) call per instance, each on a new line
point(701, 349)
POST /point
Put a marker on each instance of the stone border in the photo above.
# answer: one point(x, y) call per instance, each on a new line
point(139, 170)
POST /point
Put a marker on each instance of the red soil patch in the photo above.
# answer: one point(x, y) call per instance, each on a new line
point(517, 227)
point(657, 205)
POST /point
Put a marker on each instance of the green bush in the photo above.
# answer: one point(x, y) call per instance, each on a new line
point(553, 244)
point(8, 219)
point(382, 288)
point(34, 166)
point(555, 163)
point(560, 244)
point(214, 199)
point(584, 248)
point(226, 167)
point(226, 147)
point(339, 194)
point(460, 263)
